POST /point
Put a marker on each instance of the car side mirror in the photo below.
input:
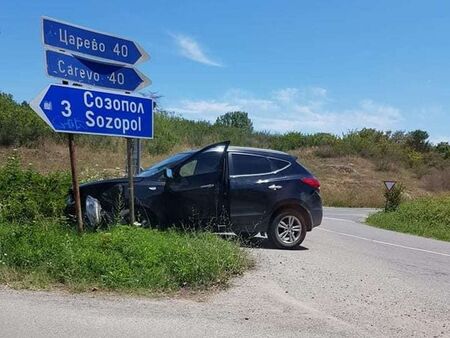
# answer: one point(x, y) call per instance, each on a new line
point(168, 173)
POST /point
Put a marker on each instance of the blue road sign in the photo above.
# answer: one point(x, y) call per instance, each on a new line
point(79, 110)
point(84, 41)
point(94, 73)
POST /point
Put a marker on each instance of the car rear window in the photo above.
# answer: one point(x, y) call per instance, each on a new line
point(250, 165)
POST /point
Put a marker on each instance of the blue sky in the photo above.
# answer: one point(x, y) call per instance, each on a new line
point(308, 66)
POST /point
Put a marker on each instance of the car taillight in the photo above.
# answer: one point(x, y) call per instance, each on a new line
point(312, 182)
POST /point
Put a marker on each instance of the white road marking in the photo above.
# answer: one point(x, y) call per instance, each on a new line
point(385, 243)
point(359, 215)
point(341, 219)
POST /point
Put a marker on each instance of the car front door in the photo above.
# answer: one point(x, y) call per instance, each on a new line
point(193, 193)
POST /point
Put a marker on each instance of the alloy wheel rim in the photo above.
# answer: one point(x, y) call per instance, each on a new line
point(289, 229)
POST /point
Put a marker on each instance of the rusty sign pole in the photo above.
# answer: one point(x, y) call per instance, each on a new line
point(75, 186)
point(130, 170)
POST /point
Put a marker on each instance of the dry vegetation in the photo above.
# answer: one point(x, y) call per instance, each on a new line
point(346, 180)
point(351, 166)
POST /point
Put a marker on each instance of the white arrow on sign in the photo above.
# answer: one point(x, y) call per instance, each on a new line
point(389, 184)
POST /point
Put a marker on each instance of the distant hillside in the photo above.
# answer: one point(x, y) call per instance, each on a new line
point(351, 167)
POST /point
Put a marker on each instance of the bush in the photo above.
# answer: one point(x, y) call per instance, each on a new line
point(125, 258)
point(428, 217)
point(443, 148)
point(26, 195)
point(393, 197)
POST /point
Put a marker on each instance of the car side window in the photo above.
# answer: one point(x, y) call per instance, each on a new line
point(188, 169)
point(278, 164)
point(250, 165)
point(204, 163)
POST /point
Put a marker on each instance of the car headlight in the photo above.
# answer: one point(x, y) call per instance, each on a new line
point(93, 210)
point(70, 200)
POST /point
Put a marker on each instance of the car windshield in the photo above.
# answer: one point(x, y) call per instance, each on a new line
point(160, 166)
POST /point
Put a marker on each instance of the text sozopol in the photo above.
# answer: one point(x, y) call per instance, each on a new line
point(118, 105)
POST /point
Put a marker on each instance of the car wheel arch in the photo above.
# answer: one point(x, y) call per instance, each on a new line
point(293, 205)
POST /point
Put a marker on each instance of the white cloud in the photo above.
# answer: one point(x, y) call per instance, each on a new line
point(295, 109)
point(439, 139)
point(191, 49)
point(203, 109)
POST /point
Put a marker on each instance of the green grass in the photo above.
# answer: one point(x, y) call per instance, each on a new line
point(427, 217)
point(123, 259)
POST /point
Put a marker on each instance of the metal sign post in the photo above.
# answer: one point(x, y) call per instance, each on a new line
point(136, 156)
point(130, 179)
point(75, 186)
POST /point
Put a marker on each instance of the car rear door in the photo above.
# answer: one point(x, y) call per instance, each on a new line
point(254, 188)
point(193, 193)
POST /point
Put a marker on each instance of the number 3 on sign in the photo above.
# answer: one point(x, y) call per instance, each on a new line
point(67, 112)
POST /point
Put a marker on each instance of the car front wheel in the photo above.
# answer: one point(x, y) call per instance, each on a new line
point(287, 230)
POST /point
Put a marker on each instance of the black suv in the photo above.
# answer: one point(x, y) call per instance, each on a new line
point(245, 190)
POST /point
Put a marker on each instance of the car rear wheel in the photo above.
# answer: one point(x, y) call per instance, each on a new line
point(287, 230)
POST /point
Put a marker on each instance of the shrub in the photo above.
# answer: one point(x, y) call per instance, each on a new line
point(26, 195)
point(393, 197)
point(428, 216)
point(443, 148)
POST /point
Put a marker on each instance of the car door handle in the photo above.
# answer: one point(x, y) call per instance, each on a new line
point(275, 187)
point(262, 181)
point(206, 186)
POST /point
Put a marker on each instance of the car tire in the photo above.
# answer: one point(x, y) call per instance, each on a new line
point(287, 229)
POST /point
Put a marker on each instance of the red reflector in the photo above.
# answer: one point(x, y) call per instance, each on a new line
point(312, 182)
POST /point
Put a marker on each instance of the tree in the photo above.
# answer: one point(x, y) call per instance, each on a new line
point(443, 148)
point(417, 140)
point(237, 119)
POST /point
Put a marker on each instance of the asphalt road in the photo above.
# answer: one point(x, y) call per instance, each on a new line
point(348, 279)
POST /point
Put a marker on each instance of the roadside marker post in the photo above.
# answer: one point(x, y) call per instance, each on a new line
point(389, 185)
point(90, 59)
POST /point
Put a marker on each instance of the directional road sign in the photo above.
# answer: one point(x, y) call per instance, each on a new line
point(94, 73)
point(84, 111)
point(389, 184)
point(84, 41)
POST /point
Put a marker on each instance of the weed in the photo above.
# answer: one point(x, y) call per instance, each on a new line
point(123, 258)
point(26, 195)
point(427, 216)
